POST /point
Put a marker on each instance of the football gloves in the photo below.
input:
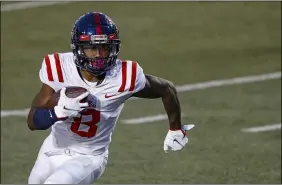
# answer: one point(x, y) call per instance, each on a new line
point(175, 140)
point(69, 107)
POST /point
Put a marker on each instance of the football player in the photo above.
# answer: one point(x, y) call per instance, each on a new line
point(76, 150)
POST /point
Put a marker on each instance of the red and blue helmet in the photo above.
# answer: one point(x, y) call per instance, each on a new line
point(92, 29)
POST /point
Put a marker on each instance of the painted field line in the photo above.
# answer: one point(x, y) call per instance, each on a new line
point(25, 5)
point(147, 119)
point(190, 87)
point(22, 112)
point(264, 128)
point(224, 82)
point(231, 81)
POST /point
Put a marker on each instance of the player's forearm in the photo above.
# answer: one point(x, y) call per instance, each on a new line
point(39, 112)
point(41, 118)
point(30, 119)
point(172, 106)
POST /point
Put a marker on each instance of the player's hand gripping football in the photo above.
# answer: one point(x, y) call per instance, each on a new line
point(176, 140)
point(70, 107)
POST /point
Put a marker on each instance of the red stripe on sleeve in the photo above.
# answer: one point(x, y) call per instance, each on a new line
point(122, 87)
point(133, 76)
point(49, 70)
point(58, 67)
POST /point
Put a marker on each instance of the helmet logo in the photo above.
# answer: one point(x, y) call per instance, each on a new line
point(112, 36)
point(84, 38)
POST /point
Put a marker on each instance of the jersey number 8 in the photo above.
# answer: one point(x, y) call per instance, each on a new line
point(95, 118)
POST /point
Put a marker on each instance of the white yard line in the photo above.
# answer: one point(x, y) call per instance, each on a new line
point(263, 128)
point(187, 87)
point(22, 112)
point(25, 5)
point(231, 81)
point(147, 119)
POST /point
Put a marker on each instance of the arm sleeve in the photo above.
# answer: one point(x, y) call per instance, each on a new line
point(46, 76)
point(140, 79)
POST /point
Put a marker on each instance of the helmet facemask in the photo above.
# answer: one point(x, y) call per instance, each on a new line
point(108, 52)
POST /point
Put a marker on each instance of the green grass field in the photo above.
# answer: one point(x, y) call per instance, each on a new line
point(185, 42)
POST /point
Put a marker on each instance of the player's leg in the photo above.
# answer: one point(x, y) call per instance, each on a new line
point(42, 167)
point(49, 159)
point(81, 169)
point(40, 171)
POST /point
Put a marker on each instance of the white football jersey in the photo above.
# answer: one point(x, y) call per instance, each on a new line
point(91, 133)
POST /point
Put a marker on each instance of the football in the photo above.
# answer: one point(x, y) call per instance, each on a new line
point(71, 92)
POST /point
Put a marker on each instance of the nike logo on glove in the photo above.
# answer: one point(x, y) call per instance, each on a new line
point(178, 142)
point(69, 109)
point(108, 96)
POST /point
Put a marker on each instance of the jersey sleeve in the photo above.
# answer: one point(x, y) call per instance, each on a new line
point(132, 78)
point(140, 79)
point(50, 74)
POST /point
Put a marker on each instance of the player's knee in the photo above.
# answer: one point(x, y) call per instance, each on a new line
point(40, 171)
point(50, 182)
point(35, 178)
point(74, 171)
point(32, 180)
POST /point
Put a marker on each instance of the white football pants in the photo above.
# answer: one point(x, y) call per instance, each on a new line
point(64, 166)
